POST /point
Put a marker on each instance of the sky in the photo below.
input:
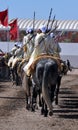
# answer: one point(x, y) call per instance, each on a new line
point(63, 9)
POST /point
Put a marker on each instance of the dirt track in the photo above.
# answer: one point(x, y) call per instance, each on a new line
point(14, 116)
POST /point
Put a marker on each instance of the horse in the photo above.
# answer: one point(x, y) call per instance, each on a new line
point(4, 65)
point(44, 80)
point(27, 87)
point(14, 71)
point(47, 80)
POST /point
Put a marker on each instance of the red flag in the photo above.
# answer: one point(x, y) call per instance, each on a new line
point(4, 17)
point(13, 30)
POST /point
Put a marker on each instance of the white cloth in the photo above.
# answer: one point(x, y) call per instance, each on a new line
point(14, 49)
point(28, 41)
point(41, 46)
point(14, 61)
point(56, 47)
point(47, 46)
point(18, 56)
point(19, 53)
point(10, 61)
point(43, 28)
point(29, 30)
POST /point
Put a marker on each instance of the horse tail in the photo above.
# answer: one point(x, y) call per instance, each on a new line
point(45, 91)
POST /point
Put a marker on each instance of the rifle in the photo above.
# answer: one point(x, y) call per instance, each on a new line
point(29, 40)
point(33, 30)
point(33, 27)
point(34, 22)
point(52, 21)
point(49, 18)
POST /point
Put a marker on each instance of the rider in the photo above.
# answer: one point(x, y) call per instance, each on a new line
point(28, 46)
point(42, 45)
point(14, 48)
point(28, 43)
point(55, 45)
point(17, 56)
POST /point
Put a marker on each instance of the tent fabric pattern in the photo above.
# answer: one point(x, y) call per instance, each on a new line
point(69, 25)
point(2, 27)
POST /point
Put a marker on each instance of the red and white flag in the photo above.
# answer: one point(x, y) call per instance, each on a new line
point(13, 30)
point(4, 17)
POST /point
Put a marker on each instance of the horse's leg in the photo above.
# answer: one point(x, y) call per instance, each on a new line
point(42, 106)
point(26, 88)
point(12, 75)
point(57, 89)
point(9, 73)
point(39, 95)
point(17, 79)
point(33, 97)
point(45, 110)
point(52, 92)
point(26, 102)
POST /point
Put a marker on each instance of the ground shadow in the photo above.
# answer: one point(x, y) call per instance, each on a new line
point(68, 105)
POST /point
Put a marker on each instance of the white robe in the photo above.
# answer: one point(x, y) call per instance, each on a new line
point(19, 55)
point(46, 46)
point(41, 46)
point(29, 45)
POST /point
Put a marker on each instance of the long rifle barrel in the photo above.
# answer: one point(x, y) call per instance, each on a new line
point(52, 21)
point(34, 21)
point(49, 18)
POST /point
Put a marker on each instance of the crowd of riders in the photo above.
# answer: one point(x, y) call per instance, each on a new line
point(35, 43)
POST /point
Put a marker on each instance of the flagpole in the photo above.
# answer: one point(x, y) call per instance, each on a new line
point(8, 39)
point(17, 31)
point(8, 36)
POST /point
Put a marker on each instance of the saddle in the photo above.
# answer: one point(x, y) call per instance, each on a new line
point(21, 63)
point(44, 56)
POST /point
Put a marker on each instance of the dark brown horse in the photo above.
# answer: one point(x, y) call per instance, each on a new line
point(47, 79)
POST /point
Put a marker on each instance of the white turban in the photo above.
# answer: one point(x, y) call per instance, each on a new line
point(43, 28)
point(29, 30)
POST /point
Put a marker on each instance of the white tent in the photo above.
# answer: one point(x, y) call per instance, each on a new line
point(6, 28)
point(67, 25)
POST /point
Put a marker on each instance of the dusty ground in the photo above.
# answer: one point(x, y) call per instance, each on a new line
point(14, 116)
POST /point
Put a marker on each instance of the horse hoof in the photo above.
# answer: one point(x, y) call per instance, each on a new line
point(50, 113)
point(42, 111)
point(40, 105)
point(32, 109)
point(45, 115)
point(56, 102)
point(28, 107)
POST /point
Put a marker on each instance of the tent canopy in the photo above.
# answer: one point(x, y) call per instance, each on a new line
point(68, 25)
point(4, 27)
